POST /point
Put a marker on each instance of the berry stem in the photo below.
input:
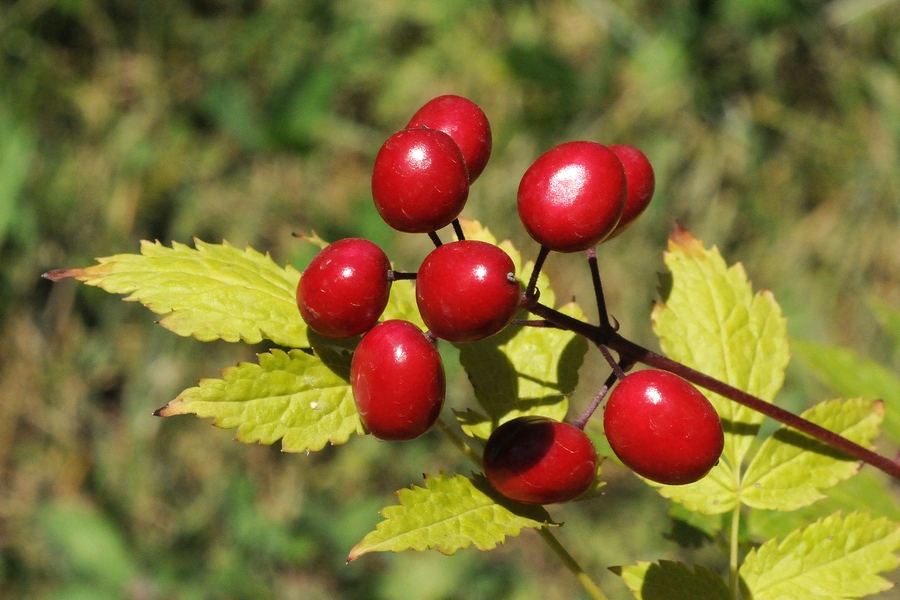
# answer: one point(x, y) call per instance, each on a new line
point(618, 371)
point(635, 353)
point(398, 275)
point(598, 286)
point(459, 442)
point(435, 239)
point(530, 291)
point(534, 323)
point(582, 420)
point(457, 228)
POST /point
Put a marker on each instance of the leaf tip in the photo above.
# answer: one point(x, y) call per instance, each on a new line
point(355, 553)
point(60, 274)
point(684, 240)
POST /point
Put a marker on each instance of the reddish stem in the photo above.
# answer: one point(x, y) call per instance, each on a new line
point(630, 352)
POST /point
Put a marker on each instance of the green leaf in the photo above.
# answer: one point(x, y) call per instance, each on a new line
point(450, 513)
point(711, 320)
point(212, 292)
point(402, 304)
point(790, 467)
point(714, 494)
point(867, 490)
point(835, 557)
point(849, 375)
point(670, 580)
point(521, 371)
point(292, 396)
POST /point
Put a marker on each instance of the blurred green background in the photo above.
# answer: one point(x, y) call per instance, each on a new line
point(774, 129)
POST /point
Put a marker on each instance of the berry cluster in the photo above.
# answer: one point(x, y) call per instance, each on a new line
point(573, 197)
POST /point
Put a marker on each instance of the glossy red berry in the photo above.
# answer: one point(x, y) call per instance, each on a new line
point(641, 183)
point(662, 427)
point(345, 288)
point(465, 122)
point(398, 382)
point(467, 290)
point(572, 196)
point(419, 180)
point(540, 461)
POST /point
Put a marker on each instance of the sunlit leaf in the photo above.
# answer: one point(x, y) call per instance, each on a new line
point(790, 467)
point(669, 580)
point(868, 485)
point(215, 291)
point(521, 371)
point(711, 320)
point(835, 557)
point(292, 396)
point(450, 513)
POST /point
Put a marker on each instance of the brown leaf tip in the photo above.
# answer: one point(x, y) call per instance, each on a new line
point(683, 239)
point(60, 274)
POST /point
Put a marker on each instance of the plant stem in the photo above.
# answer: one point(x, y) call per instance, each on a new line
point(435, 239)
point(586, 582)
point(531, 290)
point(457, 228)
point(581, 421)
point(459, 442)
point(598, 287)
point(634, 353)
point(733, 554)
point(398, 275)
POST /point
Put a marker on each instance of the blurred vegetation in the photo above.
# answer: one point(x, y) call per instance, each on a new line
point(774, 129)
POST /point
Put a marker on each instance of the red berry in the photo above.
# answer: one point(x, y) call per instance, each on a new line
point(345, 288)
point(540, 461)
point(465, 122)
point(398, 382)
point(663, 428)
point(419, 180)
point(572, 196)
point(641, 183)
point(467, 290)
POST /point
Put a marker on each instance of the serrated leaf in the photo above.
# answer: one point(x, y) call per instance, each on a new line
point(866, 490)
point(670, 580)
point(521, 371)
point(714, 494)
point(711, 320)
point(292, 396)
point(790, 467)
point(215, 291)
point(849, 375)
point(450, 513)
point(835, 557)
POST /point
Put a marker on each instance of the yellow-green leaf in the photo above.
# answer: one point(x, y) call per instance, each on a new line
point(450, 513)
point(711, 320)
point(292, 396)
point(212, 292)
point(714, 494)
point(672, 581)
point(521, 371)
point(836, 557)
point(790, 467)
